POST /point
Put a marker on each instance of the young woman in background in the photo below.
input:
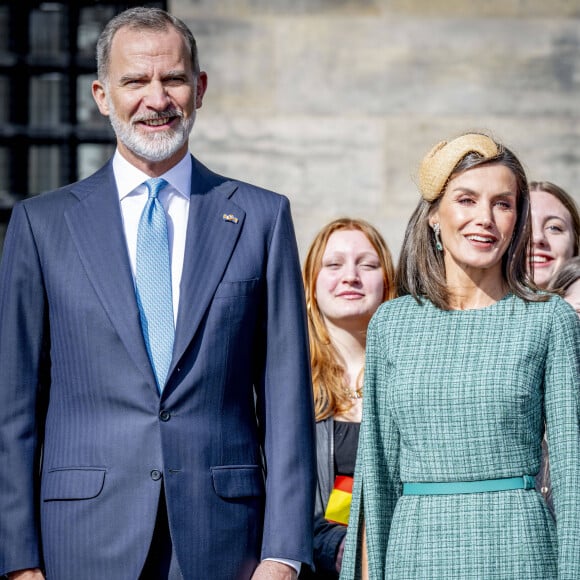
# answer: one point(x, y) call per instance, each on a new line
point(348, 273)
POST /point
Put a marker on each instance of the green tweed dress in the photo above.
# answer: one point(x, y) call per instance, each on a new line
point(462, 396)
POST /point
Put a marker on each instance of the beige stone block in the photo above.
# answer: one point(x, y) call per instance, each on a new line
point(238, 56)
point(415, 8)
point(273, 8)
point(391, 64)
point(549, 149)
point(431, 66)
point(313, 160)
point(494, 8)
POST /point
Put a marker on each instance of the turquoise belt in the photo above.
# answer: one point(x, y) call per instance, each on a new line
point(485, 485)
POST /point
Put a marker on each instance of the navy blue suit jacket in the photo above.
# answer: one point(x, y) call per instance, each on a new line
point(87, 442)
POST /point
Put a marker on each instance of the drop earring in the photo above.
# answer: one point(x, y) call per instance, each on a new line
point(437, 232)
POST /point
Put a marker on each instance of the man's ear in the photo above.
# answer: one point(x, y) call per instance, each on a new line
point(200, 88)
point(100, 96)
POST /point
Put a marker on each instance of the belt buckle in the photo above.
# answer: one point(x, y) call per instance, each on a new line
point(529, 482)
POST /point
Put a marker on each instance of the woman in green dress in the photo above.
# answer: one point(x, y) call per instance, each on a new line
point(462, 373)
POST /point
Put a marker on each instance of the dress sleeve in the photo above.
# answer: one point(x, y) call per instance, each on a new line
point(561, 400)
point(377, 484)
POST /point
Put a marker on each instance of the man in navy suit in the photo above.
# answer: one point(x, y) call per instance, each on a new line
point(110, 468)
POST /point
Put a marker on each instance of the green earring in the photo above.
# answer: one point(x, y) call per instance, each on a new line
point(437, 232)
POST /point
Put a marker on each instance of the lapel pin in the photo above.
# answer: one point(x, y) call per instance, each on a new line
point(230, 217)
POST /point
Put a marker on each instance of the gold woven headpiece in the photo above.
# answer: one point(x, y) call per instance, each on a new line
point(440, 162)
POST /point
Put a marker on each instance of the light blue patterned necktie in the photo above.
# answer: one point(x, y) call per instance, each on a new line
point(153, 283)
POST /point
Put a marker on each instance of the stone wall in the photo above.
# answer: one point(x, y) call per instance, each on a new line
point(334, 102)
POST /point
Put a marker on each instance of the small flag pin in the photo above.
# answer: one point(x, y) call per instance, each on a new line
point(230, 217)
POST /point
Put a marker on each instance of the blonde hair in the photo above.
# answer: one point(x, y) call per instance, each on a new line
point(328, 373)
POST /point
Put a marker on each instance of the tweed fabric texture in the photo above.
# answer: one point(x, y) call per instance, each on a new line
point(459, 396)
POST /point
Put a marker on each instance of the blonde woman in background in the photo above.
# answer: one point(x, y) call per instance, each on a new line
point(348, 273)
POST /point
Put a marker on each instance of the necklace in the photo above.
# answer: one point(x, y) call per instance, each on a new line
point(356, 394)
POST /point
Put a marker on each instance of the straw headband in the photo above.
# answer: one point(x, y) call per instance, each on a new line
point(440, 162)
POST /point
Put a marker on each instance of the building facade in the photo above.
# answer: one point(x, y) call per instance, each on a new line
point(331, 102)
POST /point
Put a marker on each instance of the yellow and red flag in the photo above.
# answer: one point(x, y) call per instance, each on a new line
point(338, 507)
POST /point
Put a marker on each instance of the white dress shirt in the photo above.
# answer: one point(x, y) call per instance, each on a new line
point(174, 198)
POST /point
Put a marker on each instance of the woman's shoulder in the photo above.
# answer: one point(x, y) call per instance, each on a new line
point(562, 311)
point(558, 326)
point(554, 305)
point(401, 310)
point(402, 303)
point(549, 317)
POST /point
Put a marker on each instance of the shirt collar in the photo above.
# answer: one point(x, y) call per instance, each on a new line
point(129, 178)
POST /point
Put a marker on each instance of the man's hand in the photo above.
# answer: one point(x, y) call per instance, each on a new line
point(29, 574)
point(270, 570)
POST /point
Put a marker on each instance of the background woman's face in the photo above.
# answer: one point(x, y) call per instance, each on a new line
point(349, 286)
point(553, 236)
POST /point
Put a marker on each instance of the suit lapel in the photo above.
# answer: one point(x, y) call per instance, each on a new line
point(211, 239)
point(96, 227)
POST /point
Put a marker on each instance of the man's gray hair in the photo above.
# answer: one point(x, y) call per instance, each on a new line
point(141, 18)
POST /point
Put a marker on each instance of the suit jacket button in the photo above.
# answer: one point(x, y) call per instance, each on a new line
point(156, 475)
point(165, 415)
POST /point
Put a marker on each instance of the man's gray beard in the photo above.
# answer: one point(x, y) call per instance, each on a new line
point(154, 147)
